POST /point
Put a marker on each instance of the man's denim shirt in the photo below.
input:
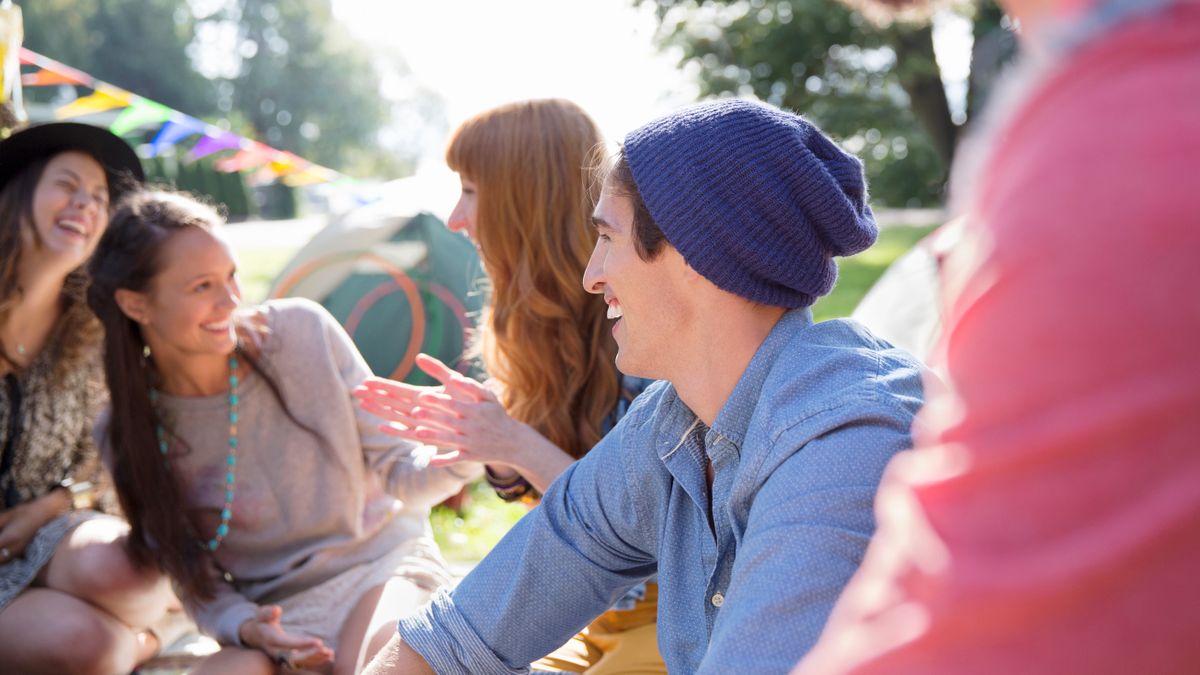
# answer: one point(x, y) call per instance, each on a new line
point(797, 452)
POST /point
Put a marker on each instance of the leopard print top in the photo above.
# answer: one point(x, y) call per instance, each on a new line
point(56, 410)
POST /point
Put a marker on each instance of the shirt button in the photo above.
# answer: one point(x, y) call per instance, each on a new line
point(718, 599)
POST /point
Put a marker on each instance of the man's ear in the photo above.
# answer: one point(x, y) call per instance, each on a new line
point(133, 304)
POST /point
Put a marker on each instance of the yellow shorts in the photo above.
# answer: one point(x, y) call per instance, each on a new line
point(619, 642)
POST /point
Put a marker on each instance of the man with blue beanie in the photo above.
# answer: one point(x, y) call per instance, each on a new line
point(746, 477)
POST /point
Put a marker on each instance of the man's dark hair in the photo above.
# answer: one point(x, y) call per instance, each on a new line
point(648, 239)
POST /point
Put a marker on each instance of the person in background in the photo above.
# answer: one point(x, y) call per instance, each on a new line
point(291, 526)
point(71, 599)
point(1049, 519)
point(746, 477)
point(527, 195)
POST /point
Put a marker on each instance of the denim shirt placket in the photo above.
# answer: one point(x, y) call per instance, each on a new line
point(724, 455)
point(686, 462)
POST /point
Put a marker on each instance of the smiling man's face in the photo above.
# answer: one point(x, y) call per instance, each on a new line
point(647, 299)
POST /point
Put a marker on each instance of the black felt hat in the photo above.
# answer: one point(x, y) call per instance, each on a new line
point(46, 140)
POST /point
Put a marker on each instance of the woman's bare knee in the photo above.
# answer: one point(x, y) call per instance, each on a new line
point(45, 631)
point(93, 564)
point(107, 568)
point(92, 644)
point(95, 553)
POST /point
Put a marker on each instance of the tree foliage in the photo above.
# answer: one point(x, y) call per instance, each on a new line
point(301, 82)
point(141, 45)
point(876, 89)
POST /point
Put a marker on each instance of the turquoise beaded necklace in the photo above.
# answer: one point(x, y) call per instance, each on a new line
point(230, 458)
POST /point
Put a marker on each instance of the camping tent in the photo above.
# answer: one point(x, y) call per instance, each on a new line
point(400, 282)
point(904, 306)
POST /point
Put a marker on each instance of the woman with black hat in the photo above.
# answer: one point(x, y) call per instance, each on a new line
point(70, 599)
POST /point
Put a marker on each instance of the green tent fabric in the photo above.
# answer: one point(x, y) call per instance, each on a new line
point(399, 284)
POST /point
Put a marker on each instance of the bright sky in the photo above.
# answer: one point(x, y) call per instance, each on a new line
point(477, 54)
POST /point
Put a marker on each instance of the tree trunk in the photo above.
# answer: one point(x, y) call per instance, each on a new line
point(993, 49)
point(918, 71)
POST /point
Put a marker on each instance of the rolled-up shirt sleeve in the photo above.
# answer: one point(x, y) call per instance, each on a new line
point(562, 565)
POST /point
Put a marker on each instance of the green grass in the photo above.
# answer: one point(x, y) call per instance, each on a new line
point(258, 267)
point(857, 274)
point(466, 535)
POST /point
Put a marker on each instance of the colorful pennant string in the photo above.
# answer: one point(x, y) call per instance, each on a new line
point(268, 164)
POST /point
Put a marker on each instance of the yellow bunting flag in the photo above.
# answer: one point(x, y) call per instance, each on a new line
point(105, 97)
point(311, 176)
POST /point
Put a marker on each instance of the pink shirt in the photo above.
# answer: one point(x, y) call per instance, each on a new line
point(1049, 521)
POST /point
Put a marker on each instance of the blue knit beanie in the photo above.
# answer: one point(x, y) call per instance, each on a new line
point(756, 199)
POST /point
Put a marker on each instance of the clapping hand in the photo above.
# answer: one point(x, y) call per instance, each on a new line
point(461, 416)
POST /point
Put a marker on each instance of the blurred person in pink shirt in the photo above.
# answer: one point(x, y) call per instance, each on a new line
point(1049, 519)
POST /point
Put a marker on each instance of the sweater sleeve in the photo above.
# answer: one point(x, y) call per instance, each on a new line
point(222, 616)
point(402, 464)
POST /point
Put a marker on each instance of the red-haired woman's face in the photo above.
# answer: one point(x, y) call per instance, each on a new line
point(462, 219)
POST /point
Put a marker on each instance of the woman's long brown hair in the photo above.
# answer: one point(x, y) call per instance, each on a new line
point(544, 339)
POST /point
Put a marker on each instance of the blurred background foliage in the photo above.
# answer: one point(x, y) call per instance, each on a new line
point(288, 73)
point(877, 89)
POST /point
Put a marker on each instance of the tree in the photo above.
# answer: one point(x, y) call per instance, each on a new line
point(301, 82)
point(141, 45)
point(877, 89)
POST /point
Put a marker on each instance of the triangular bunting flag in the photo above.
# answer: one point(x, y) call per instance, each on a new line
point(249, 157)
point(46, 78)
point(33, 58)
point(176, 129)
point(104, 98)
point(214, 140)
point(141, 112)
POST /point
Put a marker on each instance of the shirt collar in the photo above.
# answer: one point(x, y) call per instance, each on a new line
point(734, 417)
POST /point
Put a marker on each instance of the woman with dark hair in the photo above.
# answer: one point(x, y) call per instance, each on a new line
point(294, 530)
point(71, 600)
point(527, 196)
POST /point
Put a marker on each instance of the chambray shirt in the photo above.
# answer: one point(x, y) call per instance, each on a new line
point(797, 452)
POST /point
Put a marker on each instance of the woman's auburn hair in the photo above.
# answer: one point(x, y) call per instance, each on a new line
point(544, 339)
